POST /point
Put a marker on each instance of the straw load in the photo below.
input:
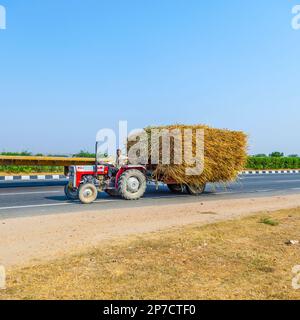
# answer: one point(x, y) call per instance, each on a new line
point(224, 153)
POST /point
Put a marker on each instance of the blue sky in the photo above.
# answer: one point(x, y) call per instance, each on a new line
point(71, 67)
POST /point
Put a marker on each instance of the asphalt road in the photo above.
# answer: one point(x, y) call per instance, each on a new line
point(41, 198)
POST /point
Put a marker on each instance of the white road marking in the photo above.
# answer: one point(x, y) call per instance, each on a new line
point(49, 205)
point(24, 193)
point(36, 206)
point(287, 181)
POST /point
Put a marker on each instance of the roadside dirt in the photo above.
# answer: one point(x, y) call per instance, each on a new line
point(28, 240)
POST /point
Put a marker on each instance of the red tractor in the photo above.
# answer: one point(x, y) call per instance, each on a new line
point(129, 182)
point(85, 182)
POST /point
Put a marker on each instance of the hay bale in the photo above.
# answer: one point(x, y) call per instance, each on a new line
point(225, 155)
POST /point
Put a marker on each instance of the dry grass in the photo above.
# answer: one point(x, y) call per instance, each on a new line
point(240, 259)
point(225, 154)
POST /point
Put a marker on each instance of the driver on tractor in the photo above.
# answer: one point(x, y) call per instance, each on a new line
point(121, 160)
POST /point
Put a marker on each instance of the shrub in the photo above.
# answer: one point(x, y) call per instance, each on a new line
point(264, 163)
point(269, 221)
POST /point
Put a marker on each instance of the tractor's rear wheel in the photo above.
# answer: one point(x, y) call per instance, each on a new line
point(195, 190)
point(175, 188)
point(132, 185)
point(88, 193)
point(71, 193)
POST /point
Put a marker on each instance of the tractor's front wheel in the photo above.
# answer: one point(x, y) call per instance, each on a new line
point(132, 185)
point(88, 193)
point(71, 193)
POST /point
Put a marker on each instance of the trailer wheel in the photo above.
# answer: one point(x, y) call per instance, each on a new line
point(88, 193)
point(175, 188)
point(71, 193)
point(195, 190)
point(132, 185)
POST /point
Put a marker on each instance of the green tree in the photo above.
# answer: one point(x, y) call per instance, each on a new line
point(260, 155)
point(23, 153)
point(84, 154)
point(276, 154)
